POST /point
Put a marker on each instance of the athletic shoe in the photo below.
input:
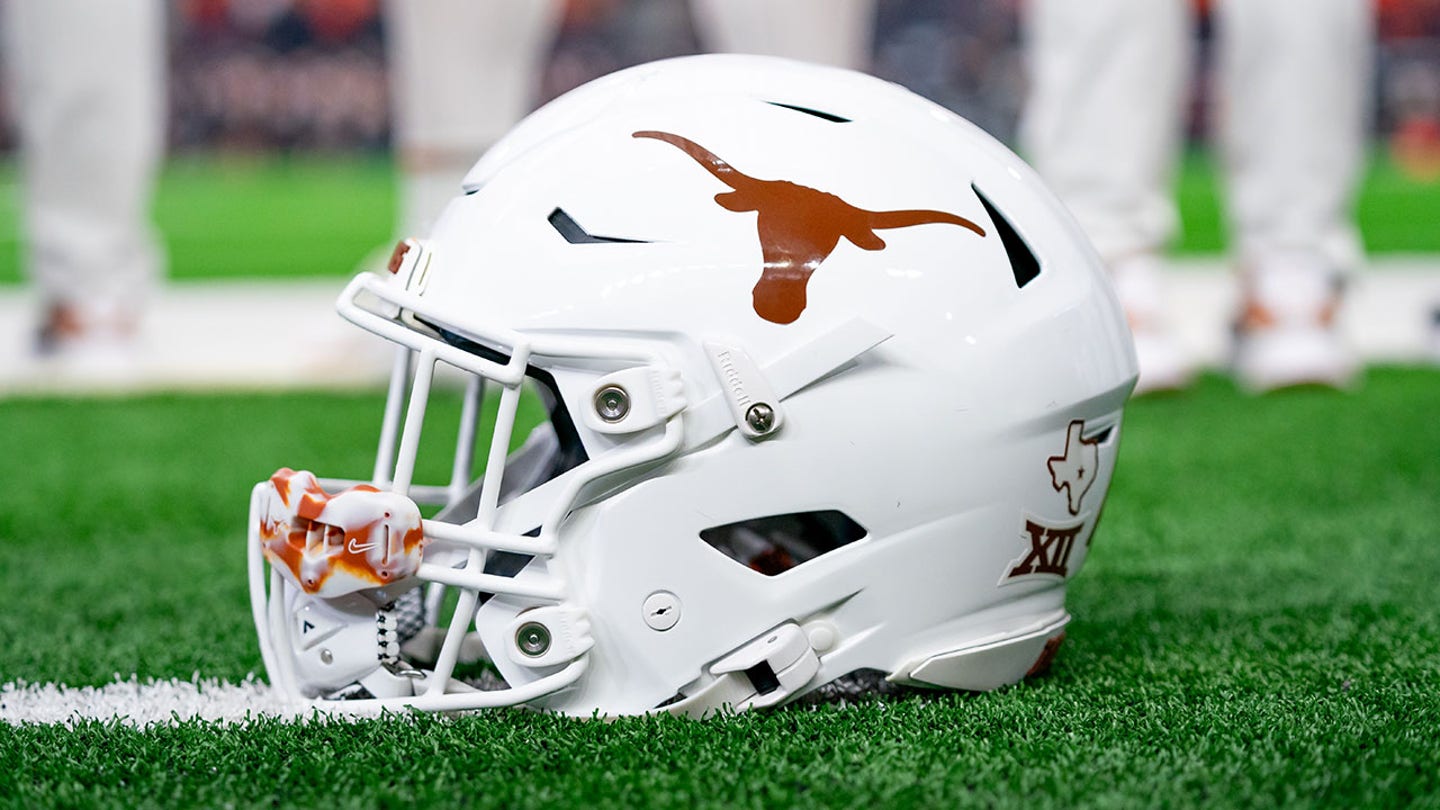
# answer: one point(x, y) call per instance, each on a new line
point(1285, 333)
point(86, 354)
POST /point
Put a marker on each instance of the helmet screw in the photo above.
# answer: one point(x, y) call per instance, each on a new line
point(612, 403)
point(533, 639)
point(760, 417)
point(326, 657)
point(661, 610)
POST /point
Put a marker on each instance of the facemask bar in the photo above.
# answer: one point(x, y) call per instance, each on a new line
point(385, 455)
point(421, 352)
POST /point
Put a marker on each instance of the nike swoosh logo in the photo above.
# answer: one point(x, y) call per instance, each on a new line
point(359, 548)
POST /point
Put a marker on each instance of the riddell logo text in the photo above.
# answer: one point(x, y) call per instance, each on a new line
point(1049, 550)
point(798, 227)
point(732, 379)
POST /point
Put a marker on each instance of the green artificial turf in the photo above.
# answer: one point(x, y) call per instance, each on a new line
point(268, 217)
point(1256, 626)
point(253, 216)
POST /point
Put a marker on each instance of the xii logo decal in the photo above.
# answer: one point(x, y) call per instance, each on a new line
point(1049, 552)
point(1072, 474)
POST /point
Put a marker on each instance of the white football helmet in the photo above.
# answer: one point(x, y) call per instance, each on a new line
point(834, 385)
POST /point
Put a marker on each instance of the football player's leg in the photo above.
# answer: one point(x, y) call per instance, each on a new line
point(89, 85)
point(462, 73)
point(830, 32)
point(1103, 124)
point(1294, 76)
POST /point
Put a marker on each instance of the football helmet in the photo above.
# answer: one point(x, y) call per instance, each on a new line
point(833, 385)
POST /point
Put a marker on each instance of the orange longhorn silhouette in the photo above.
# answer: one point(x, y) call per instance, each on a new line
point(799, 227)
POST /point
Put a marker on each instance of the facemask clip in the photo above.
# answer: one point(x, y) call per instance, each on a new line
point(547, 636)
point(633, 399)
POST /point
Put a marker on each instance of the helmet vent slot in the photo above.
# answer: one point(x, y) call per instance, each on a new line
point(566, 226)
point(1022, 260)
point(1103, 435)
point(821, 114)
point(775, 544)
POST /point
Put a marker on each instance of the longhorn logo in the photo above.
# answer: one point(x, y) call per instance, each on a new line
point(799, 227)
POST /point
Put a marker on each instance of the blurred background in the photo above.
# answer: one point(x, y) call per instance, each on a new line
point(307, 77)
point(279, 167)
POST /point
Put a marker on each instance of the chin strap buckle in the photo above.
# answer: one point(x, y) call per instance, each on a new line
point(764, 672)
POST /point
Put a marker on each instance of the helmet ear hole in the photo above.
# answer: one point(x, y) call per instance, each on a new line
point(775, 544)
point(1023, 262)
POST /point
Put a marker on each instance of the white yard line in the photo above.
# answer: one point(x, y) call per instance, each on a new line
point(141, 703)
point(150, 702)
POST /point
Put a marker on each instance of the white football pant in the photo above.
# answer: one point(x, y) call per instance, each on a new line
point(462, 73)
point(88, 80)
point(1109, 88)
point(828, 32)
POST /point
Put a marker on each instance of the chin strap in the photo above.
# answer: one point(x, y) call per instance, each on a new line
point(764, 672)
